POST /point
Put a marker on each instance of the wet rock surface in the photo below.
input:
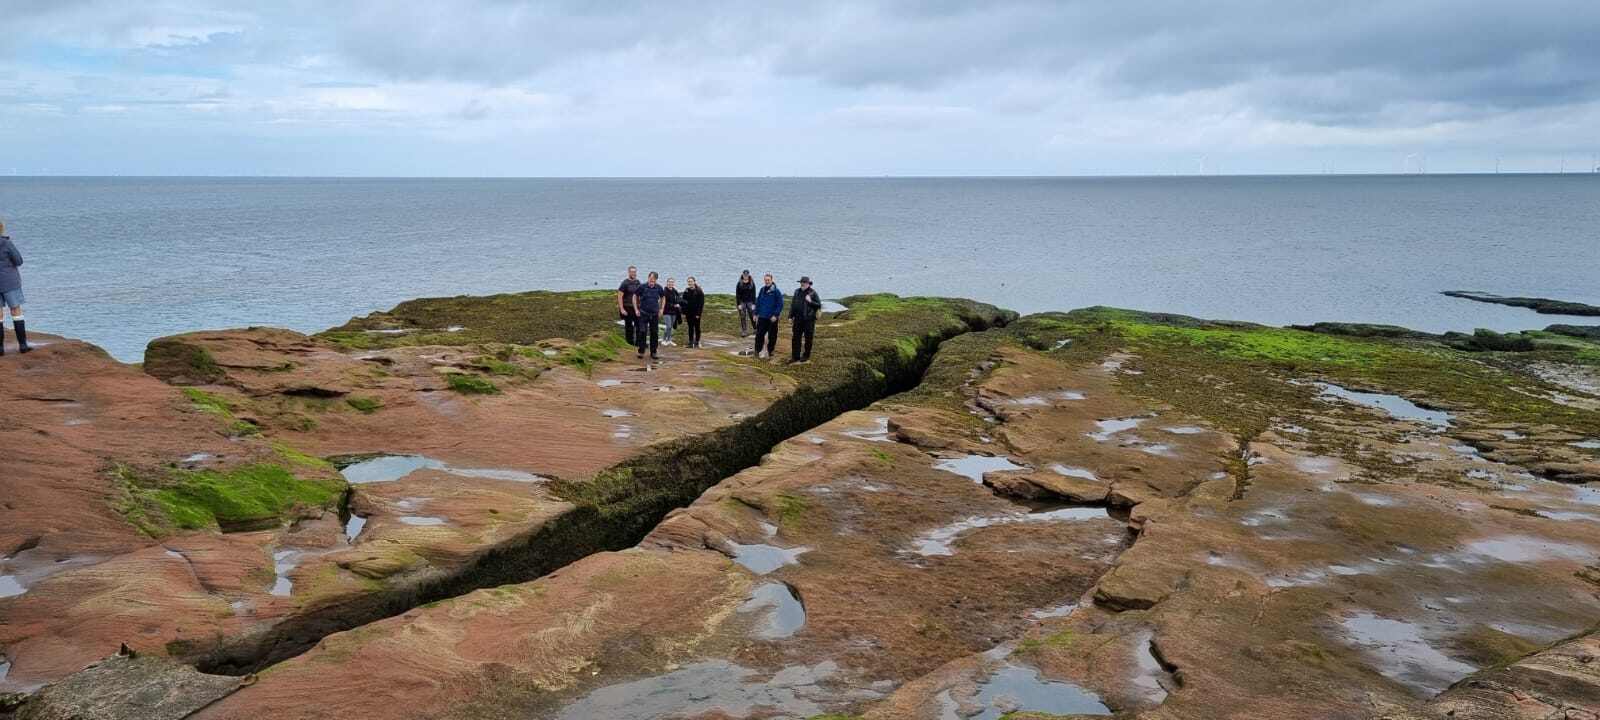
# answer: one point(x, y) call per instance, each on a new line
point(1101, 512)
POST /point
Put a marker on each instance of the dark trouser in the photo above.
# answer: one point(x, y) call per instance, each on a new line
point(747, 317)
point(694, 329)
point(648, 337)
point(766, 335)
point(630, 321)
point(800, 348)
point(22, 334)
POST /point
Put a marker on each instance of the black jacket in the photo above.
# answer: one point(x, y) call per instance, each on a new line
point(745, 292)
point(669, 302)
point(806, 304)
point(694, 301)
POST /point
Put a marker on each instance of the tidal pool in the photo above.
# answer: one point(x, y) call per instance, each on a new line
point(1399, 651)
point(714, 686)
point(784, 615)
point(761, 559)
point(1073, 471)
point(283, 561)
point(388, 468)
point(10, 586)
point(879, 433)
point(939, 541)
point(974, 466)
point(1113, 426)
point(353, 526)
point(1017, 688)
point(422, 520)
point(1395, 405)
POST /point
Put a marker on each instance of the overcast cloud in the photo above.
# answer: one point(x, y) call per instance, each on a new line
point(507, 87)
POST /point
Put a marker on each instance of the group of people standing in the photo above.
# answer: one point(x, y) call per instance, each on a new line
point(11, 292)
point(646, 307)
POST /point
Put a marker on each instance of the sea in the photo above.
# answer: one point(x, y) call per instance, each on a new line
point(121, 261)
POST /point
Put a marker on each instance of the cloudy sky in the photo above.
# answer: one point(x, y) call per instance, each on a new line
point(868, 87)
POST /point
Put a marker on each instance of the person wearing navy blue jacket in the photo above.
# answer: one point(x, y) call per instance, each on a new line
point(769, 307)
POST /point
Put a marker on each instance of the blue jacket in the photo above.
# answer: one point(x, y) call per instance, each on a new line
point(769, 302)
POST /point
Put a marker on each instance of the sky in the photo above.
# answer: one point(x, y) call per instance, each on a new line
point(738, 88)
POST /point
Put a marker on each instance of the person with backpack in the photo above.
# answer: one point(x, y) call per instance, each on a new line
point(769, 306)
point(671, 310)
point(694, 306)
point(744, 299)
point(803, 319)
point(11, 292)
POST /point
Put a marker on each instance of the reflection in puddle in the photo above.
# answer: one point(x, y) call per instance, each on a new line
point(1587, 444)
point(1185, 430)
point(762, 559)
point(1395, 405)
point(5, 668)
point(422, 520)
point(876, 434)
point(353, 526)
point(715, 686)
point(784, 613)
point(197, 458)
point(608, 383)
point(1519, 548)
point(1402, 654)
point(284, 561)
point(1072, 471)
point(616, 413)
point(1015, 688)
point(1114, 426)
point(1151, 673)
point(938, 541)
point(388, 468)
point(10, 586)
point(974, 466)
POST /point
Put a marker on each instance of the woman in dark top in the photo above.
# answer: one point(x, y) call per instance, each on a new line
point(744, 298)
point(670, 310)
point(11, 292)
point(694, 305)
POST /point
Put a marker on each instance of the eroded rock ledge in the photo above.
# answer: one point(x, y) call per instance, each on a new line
point(1084, 513)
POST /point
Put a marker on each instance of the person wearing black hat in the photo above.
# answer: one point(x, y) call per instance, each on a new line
point(803, 318)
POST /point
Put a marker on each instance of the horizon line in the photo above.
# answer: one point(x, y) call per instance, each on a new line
point(1473, 173)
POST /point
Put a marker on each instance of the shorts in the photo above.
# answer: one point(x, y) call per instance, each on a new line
point(12, 298)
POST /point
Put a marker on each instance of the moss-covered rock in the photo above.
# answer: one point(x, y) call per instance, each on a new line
point(249, 497)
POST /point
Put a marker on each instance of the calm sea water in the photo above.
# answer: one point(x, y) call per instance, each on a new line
point(120, 261)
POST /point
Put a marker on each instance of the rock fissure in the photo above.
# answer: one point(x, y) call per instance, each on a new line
point(611, 512)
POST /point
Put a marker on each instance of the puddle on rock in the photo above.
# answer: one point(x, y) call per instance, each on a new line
point(5, 668)
point(784, 615)
point(1054, 612)
point(422, 520)
point(353, 526)
point(1113, 426)
point(762, 559)
point(1017, 688)
point(714, 686)
point(1521, 549)
point(388, 468)
point(10, 586)
point(608, 383)
point(1402, 654)
point(1395, 405)
point(1073, 471)
point(1151, 673)
point(876, 434)
point(284, 561)
point(974, 466)
point(1185, 430)
point(616, 413)
point(1587, 444)
point(939, 541)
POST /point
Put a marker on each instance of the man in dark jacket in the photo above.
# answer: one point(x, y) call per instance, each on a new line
point(625, 306)
point(769, 306)
point(11, 292)
point(647, 303)
point(803, 318)
point(744, 299)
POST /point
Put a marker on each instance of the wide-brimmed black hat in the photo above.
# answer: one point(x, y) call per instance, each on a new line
point(805, 280)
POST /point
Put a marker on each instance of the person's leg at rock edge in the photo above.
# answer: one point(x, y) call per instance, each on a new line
point(12, 301)
point(806, 335)
point(761, 336)
point(772, 337)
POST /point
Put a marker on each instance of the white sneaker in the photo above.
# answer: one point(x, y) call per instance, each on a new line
point(761, 355)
